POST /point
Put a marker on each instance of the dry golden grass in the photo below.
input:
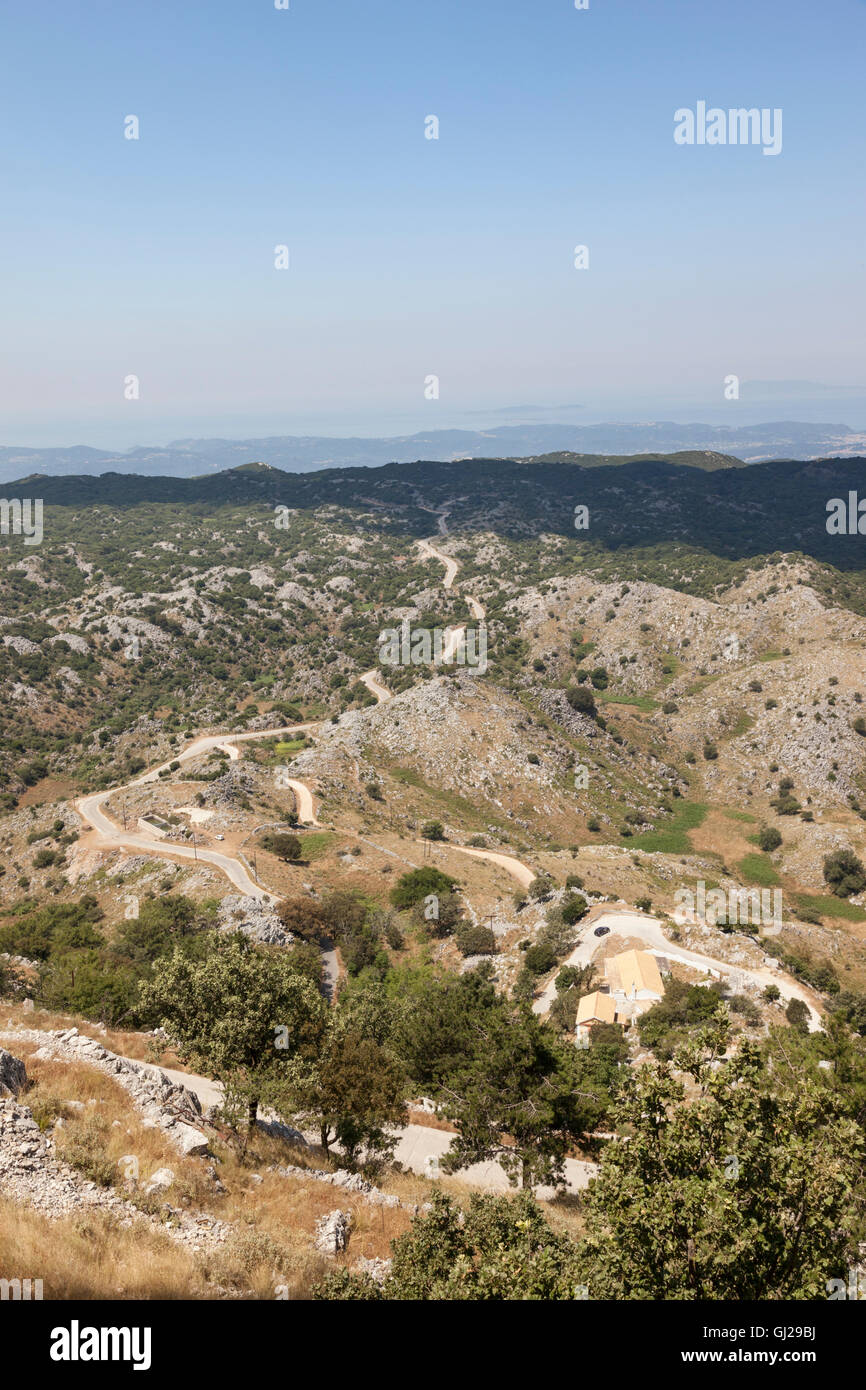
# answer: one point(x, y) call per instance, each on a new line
point(273, 1218)
point(270, 1252)
point(429, 1120)
point(89, 1256)
point(128, 1044)
point(565, 1215)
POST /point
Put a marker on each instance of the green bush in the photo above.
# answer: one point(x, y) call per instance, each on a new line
point(540, 958)
point(541, 886)
point(580, 699)
point(285, 847)
point(844, 873)
point(797, 1014)
point(574, 908)
point(745, 1006)
point(769, 839)
point(413, 887)
point(475, 941)
point(683, 1007)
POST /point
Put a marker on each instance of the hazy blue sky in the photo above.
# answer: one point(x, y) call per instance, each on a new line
point(410, 256)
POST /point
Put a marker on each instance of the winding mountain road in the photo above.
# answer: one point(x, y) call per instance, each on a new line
point(419, 1147)
point(648, 929)
point(375, 686)
point(432, 552)
point(110, 835)
point(515, 867)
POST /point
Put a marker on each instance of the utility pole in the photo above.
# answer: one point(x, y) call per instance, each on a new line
point(194, 847)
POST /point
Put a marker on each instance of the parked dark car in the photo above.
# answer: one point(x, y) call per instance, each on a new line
point(601, 931)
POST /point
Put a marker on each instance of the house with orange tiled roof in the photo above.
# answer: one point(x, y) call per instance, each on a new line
point(635, 981)
point(593, 1009)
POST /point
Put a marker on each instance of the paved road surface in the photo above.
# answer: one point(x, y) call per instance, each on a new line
point(375, 686)
point(418, 1147)
point(432, 552)
point(515, 867)
point(304, 798)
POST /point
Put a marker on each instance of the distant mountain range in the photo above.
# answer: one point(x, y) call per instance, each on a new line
point(189, 458)
point(692, 499)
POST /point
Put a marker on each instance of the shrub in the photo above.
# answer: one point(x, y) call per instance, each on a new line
point(769, 838)
point(440, 917)
point(572, 976)
point(302, 917)
point(418, 884)
point(844, 873)
point(670, 707)
point(475, 941)
point(393, 934)
point(580, 699)
point(540, 958)
point(541, 887)
point(683, 1007)
point(285, 847)
point(344, 915)
point(744, 1006)
point(574, 908)
point(851, 1007)
point(797, 1014)
point(433, 830)
point(524, 985)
